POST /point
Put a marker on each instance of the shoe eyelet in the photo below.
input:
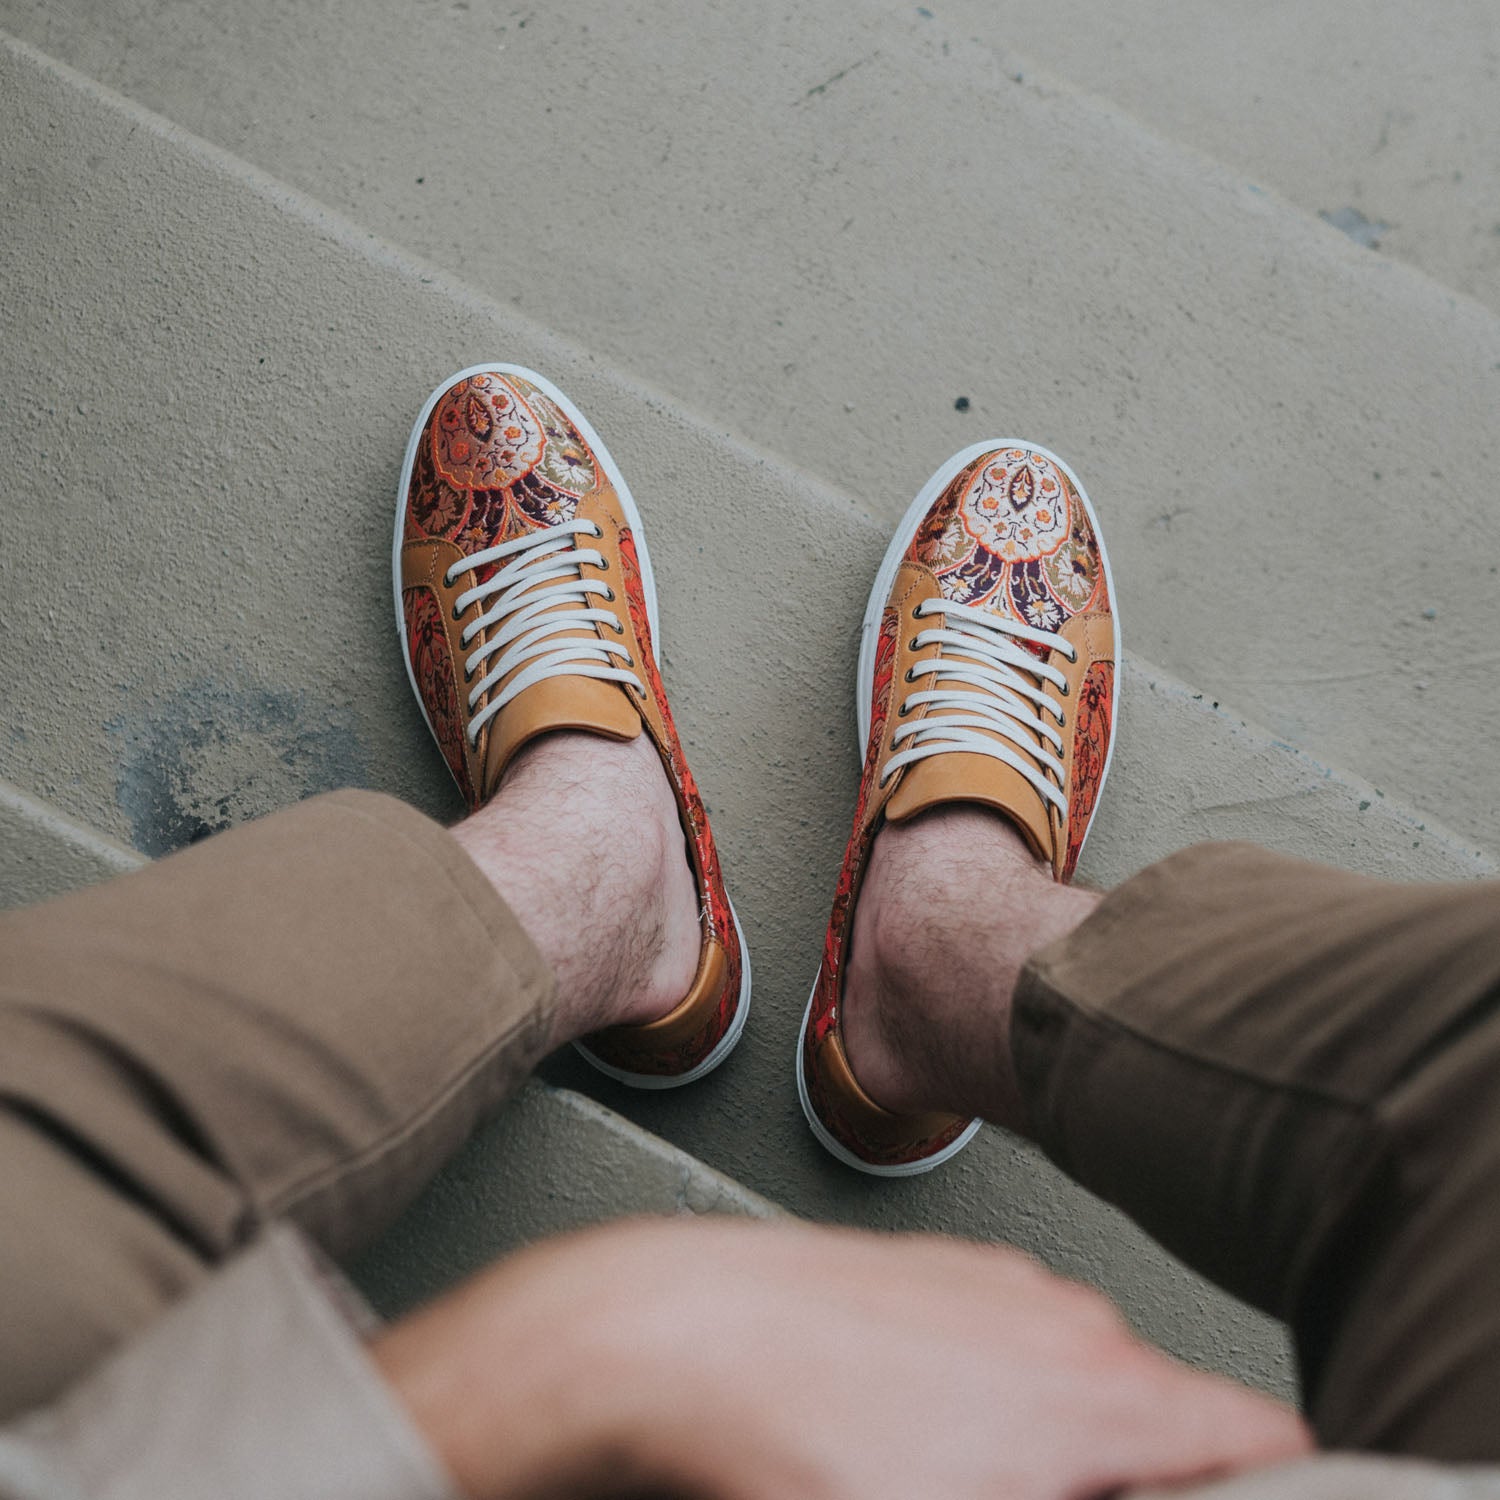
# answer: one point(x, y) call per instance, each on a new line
point(609, 595)
point(1065, 690)
point(456, 614)
point(902, 712)
point(910, 675)
point(912, 645)
point(604, 568)
point(619, 628)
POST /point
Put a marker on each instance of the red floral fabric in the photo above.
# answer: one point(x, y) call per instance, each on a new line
point(1091, 735)
point(432, 667)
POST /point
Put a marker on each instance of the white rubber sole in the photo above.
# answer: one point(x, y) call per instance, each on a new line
point(869, 636)
point(648, 585)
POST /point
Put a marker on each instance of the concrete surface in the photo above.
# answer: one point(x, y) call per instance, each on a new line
point(43, 854)
point(212, 380)
point(554, 1161)
point(1385, 114)
point(1389, 112)
point(820, 227)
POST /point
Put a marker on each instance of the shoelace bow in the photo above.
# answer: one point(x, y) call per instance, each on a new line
point(986, 684)
point(536, 595)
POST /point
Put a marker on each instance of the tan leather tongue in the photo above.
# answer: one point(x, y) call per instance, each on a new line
point(557, 703)
point(961, 776)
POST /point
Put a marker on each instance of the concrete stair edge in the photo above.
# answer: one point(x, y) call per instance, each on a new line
point(339, 227)
point(551, 1162)
point(44, 853)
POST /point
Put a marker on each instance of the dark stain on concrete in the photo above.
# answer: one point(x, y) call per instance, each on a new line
point(1362, 231)
point(215, 753)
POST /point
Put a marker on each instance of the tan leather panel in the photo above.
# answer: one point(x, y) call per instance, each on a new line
point(557, 703)
point(582, 703)
point(876, 1125)
point(961, 776)
point(955, 776)
point(1093, 636)
point(425, 561)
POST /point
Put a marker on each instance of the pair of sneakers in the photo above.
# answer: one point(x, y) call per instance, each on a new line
point(988, 674)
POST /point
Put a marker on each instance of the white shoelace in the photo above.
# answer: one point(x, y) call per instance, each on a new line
point(987, 685)
point(534, 596)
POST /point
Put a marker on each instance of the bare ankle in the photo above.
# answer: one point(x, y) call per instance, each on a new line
point(952, 907)
point(583, 842)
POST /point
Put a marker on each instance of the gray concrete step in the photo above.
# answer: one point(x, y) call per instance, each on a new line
point(43, 853)
point(821, 228)
point(1381, 119)
point(211, 379)
point(551, 1162)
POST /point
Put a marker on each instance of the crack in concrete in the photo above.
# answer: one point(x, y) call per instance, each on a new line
point(827, 83)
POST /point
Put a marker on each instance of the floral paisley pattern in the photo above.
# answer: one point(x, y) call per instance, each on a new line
point(1015, 506)
point(567, 461)
point(434, 507)
point(498, 459)
point(433, 669)
point(1010, 531)
point(484, 435)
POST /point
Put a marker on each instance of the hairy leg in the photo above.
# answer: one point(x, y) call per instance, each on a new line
point(935, 956)
point(583, 843)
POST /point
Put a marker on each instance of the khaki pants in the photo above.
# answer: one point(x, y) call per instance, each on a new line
point(299, 1019)
point(1286, 1073)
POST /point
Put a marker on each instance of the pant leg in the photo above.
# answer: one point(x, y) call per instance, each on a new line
point(1290, 1075)
point(300, 1018)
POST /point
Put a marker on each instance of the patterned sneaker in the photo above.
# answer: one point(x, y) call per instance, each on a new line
point(987, 673)
point(525, 603)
